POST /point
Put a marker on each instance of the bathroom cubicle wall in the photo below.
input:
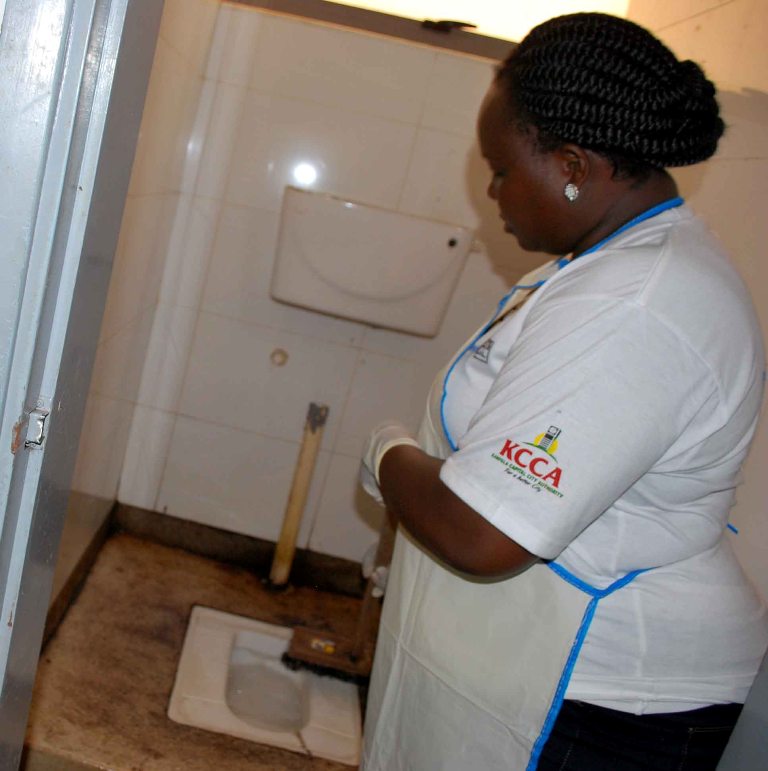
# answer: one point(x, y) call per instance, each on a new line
point(216, 417)
point(153, 196)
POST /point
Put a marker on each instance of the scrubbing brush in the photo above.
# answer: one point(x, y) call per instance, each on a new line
point(344, 658)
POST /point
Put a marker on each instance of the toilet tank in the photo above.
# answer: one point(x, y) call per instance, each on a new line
point(366, 263)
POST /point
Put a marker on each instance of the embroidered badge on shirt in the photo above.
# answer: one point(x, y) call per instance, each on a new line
point(534, 463)
point(483, 352)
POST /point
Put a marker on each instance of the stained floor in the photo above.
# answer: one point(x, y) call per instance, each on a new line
point(105, 678)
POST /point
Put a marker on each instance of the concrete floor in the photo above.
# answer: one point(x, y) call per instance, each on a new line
point(105, 678)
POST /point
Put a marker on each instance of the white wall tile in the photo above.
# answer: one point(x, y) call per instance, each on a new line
point(117, 370)
point(198, 136)
point(750, 67)
point(220, 136)
point(457, 86)
point(135, 283)
point(145, 457)
point(102, 446)
point(169, 112)
point(347, 521)
point(356, 155)
point(713, 40)
point(746, 115)
point(239, 277)
point(439, 185)
point(342, 68)
point(658, 14)
point(231, 379)
point(220, 40)
point(240, 46)
point(234, 479)
point(167, 355)
point(382, 388)
point(189, 251)
point(187, 26)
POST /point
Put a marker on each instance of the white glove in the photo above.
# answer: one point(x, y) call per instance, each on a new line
point(380, 573)
point(384, 437)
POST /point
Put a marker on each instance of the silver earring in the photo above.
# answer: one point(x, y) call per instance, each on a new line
point(571, 192)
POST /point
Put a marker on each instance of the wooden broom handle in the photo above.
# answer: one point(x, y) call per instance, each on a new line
point(297, 498)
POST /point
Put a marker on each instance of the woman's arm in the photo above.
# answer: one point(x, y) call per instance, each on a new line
point(413, 491)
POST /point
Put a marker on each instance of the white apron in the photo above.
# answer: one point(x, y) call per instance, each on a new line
point(469, 675)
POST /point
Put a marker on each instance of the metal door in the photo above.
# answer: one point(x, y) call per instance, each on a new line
point(73, 77)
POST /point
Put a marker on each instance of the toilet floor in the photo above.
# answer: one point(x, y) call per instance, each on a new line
point(106, 676)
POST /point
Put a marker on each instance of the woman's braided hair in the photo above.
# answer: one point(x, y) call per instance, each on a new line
point(610, 86)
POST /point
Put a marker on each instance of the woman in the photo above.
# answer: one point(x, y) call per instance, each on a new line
point(562, 593)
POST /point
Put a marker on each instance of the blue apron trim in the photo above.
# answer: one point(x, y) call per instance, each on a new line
point(581, 635)
point(560, 264)
point(593, 591)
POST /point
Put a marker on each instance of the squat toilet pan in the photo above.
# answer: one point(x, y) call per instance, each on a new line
point(230, 680)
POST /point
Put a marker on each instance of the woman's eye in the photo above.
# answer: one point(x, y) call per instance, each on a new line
point(497, 179)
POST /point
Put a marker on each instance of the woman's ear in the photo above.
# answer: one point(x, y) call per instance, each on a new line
point(575, 163)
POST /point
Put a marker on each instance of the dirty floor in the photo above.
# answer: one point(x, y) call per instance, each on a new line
point(106, 676)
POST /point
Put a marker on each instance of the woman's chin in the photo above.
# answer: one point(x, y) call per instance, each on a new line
point(521, 242)
point(526, 244)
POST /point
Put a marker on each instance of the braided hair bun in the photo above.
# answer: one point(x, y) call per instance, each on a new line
point(610, 86)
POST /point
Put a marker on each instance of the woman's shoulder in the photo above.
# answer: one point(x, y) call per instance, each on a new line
point(672, 265)
point(677, 275)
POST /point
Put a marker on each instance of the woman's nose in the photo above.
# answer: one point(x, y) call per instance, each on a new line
point(493, 189)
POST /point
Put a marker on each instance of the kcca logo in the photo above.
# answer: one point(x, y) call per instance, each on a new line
point(538, 466)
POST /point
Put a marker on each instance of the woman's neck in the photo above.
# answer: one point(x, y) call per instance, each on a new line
point(624, 200)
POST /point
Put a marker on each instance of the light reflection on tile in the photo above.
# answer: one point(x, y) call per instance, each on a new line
point(356, 155)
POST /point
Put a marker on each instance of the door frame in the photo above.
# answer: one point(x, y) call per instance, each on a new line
point(73, 79)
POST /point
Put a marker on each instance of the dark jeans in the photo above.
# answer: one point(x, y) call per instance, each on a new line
point(590, 738)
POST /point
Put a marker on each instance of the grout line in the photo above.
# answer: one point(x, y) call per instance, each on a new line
point(334, 444)
point(696, 15)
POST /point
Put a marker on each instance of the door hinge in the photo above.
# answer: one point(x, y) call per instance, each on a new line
point(36, 429)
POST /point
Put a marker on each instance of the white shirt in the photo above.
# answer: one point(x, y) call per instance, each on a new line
point(603, 425)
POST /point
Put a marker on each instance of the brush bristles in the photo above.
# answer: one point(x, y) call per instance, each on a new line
point(295, 664)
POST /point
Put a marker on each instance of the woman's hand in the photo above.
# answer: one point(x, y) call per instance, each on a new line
point(410, 484)
point(383, 437)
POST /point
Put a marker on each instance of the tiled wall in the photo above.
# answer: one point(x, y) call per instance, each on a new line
point(217, 430)
point(217, 425)
point(161, 156)
point(727, 37)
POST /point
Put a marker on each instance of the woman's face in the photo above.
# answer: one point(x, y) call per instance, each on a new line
point(526, 183)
